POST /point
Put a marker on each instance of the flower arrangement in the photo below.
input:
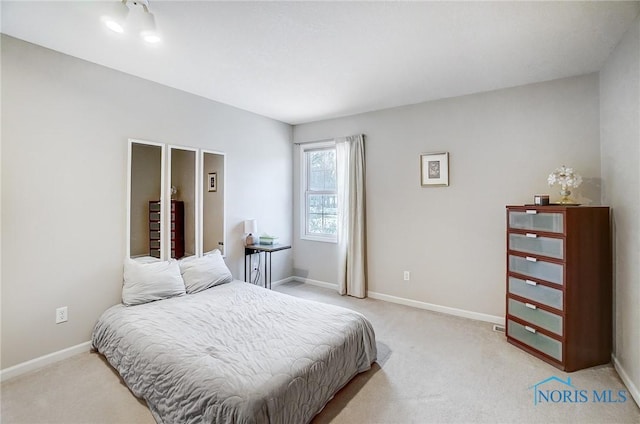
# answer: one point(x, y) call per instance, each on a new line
point(566, 178)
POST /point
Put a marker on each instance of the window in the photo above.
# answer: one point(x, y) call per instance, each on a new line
point(319, 197)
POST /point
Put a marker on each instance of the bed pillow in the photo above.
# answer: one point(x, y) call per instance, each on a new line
point(146, 282)
point(204, 272)
point(146, 259)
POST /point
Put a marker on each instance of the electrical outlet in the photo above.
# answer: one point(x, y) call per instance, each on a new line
point(61, 315)
point(407, 276)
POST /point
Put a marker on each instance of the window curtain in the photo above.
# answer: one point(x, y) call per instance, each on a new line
point(352, 279)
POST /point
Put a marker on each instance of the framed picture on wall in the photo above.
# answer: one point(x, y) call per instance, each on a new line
point(434, 169)
point(212, 181)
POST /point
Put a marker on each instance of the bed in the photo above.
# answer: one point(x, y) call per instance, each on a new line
point(235, 353)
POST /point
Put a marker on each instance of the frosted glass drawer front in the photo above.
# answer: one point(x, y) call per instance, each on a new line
point(154, 235)
point(536, 340)
point(154, 253)
point(540, 221)
point(154, 226)
point(534, 315)
point(532, 243)
point(154, 244)
point(547, 271)
point(536, 292)
point(154, 216)
point(154, 207)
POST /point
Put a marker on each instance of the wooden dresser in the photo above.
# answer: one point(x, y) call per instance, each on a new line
point(559, 284)
point(177, 229)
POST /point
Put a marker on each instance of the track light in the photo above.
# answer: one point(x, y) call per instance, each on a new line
point(115, 19)
point(148, 27)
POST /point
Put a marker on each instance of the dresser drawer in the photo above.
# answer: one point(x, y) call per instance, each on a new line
point(532, 338)
point(532, 243)
point(531, 267)
point(154, 207)
point(536, 292)
point(154, 216)
point(154, 244)
point(154, 235)
point(154, 225)
point(539, 317)
point(552, 222)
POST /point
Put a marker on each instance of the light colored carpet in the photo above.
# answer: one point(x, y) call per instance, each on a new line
point(432, 368)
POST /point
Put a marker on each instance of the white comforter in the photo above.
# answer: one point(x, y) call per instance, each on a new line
point(235, 353)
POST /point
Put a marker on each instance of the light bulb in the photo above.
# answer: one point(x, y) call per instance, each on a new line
point(114, 26)
point(150, 37)
point(116, 16)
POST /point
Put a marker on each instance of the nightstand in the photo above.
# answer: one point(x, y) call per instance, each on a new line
point(268, 249)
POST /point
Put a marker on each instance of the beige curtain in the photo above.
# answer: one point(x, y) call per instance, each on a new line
point(351, 216)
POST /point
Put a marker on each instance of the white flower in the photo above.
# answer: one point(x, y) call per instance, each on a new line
point(565, 177)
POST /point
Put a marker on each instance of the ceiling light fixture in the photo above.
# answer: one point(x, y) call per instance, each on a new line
point(116, 18)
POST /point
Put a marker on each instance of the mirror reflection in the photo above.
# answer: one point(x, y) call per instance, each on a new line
point(182, 222)
point(213, 187)
point(144, 209)
point(176, 204)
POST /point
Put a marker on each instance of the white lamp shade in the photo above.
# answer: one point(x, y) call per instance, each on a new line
point(251, 226)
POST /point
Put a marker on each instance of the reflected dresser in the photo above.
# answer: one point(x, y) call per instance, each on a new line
point(559, 284)
point(177, 229)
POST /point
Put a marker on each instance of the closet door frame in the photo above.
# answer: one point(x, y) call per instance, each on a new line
point(203, 189)
point(196, 198)
point(163, 220)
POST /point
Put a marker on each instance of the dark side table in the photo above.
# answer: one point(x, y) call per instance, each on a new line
point(268, 249)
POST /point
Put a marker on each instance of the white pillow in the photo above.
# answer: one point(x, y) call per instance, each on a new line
point(146, 259)
point(204, 272)
point(146, 282)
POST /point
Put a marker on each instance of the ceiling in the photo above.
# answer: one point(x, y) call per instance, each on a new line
point(299, 62)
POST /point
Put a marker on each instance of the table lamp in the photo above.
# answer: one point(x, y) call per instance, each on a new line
point(250, 228)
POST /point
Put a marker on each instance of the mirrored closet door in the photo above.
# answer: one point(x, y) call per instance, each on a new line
point(145, 219)
point(176, 201)
point(212, 171)
point(182, 206)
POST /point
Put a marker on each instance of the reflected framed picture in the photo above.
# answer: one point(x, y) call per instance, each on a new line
point(434, 169)
point(212, 181)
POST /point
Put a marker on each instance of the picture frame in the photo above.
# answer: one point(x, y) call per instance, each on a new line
point(212, 181)
point(434, 169)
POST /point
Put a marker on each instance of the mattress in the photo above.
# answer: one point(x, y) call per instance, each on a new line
point(235, 353)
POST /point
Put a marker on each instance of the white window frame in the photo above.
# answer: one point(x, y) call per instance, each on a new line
point(304, 148)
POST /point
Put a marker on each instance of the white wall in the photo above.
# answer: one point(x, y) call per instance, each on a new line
point(620, 137)
point(502, 146)
point(65, 125)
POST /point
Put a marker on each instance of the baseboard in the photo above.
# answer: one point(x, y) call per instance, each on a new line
point(317, 283)
point(438, 308)
point(413, 303)
point(284, 280)
point(43, 361)
point(635, 394)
